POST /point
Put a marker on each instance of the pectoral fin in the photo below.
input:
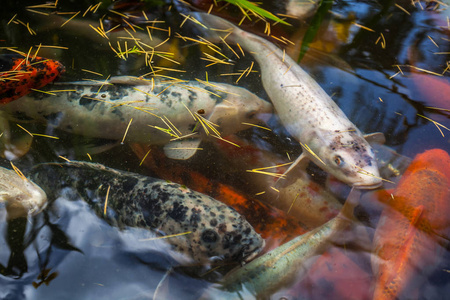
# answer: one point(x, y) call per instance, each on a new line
point(375, 138)
point(299, 165)
point(13, 148)
point(182, 149)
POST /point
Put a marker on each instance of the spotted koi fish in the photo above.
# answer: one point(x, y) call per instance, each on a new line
point(274, 225)
point(208, 228)
point(19, 75)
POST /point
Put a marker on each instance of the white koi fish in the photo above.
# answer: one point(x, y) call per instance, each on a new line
point(327, 136)
point(153, 112)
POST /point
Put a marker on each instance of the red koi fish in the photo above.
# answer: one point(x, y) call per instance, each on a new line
point(19, 75)
point(272, 224)
point(413, 226)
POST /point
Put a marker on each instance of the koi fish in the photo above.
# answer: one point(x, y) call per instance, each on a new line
point(327, 136)
point(285, 264)
point(21, 196)
point(20, 75)
point(274, 226)
point(148, 111)
point(407, 241)
point(207, 227)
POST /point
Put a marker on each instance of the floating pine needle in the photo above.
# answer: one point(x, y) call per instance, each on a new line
point(292, 204)
point(90, 157)
point(435, 124)
point(306, 147)
point(260, 193)
point(18, 172)
point(259, 126)
point(106, 200)
point(364, 172)
point(44, 92)
point(166, 236)
point(145, 156)
point(401, 8)
point(275, 189)
point(433, 41)
point(45, 135)
point(89, 71)
point(261, 170)
point(363, 27)
point(126, 131)
point(66, 159)
point(24, 130)
point(69, 19)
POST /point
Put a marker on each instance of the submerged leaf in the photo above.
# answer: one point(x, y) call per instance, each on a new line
point(256, 10)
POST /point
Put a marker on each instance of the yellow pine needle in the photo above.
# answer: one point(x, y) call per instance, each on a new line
point(102, 34)
point(171, 124)
point(89, 71)
point(118, 13)
point(364, 172)
point(189, 111)
point(166, 236)
point(306, 147)
point(435, 124)
point(18, 172)
point(255, 125)
point(12, 19)
point(242, 51)
point(251, 68)
point(90, 157)
point(126, 131)
point(70, 19)
point(64, 158)
point(55, 47)
point(363, 27)
point(279, 39)
point(106, 200)
point(44, 92)
point(36, 53)
point(432, 41)
point(227, 141)
point(145, 156)
point(165, 130)
point(287, 40)
point(242, 74)
point(45, 135)
point(169, 69)
point(292, 204)
point(260, 193)
point(287, 70)
point(276, 190)
point(24, 129)
point(404, 10)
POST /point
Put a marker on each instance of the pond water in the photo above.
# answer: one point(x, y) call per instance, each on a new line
point(384, 66)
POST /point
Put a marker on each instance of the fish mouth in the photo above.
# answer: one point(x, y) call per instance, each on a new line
point(365, 186)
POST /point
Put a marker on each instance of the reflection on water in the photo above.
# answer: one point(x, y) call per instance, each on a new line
point(382, 71)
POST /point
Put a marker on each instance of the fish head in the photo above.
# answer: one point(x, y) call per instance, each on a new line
point(235, 110)
point(351, 159)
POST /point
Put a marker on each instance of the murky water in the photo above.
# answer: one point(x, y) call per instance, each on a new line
point(67, 252)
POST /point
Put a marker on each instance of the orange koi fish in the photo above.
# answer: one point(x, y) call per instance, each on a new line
point(413, 226)
point(19, 75)
point(272, 224)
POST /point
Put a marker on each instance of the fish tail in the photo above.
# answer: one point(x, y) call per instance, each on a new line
point(216, 28)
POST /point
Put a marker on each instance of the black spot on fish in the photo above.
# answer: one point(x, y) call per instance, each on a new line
point(54, 118)
point(192, 97)
point(129, 184)
point(88, 103)
point(209, 236)
point(21, 116)
point(216, 95)
point(178, 213)
point(213, 222)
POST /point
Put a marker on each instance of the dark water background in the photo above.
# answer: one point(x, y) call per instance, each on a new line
point(68, 250)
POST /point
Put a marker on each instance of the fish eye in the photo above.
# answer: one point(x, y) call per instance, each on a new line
point(338, 160)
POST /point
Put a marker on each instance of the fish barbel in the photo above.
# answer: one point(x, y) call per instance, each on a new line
point(205, 228)
point(162, 113)
point(327, 136)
